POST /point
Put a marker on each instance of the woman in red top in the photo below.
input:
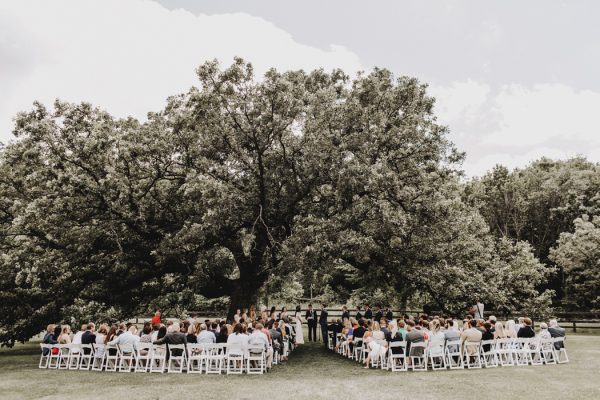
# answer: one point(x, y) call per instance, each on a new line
point(156, 318)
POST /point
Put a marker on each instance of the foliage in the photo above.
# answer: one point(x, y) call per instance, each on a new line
point(579, 254)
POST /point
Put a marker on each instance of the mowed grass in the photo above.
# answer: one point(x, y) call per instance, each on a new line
point(310, 373)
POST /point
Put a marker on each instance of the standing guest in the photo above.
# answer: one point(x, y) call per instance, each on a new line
point(264, 315)
point(272, 312)
point(237, 316)
point(65, 335)
point(378, 314)
point(88, 336)
point(49, 337)
point(556, 331)
point(311, 320)
point(323, 323)
point(283, 314)
point(156, 318)
point(526, 331)
point(252, 313)
point(477, 309)
point(389, 315)
point(345, 313)
point(299, 332)
point(358, 313)
point(368, 312)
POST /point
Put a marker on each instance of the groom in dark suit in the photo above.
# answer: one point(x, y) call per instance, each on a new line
point(323, 323)
point(311, 319)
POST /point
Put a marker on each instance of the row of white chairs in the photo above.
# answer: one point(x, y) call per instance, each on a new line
point(442, 355)
point(191, 358)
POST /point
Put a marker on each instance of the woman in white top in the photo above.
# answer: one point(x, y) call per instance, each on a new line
point(237, 342)
point(237, 316)
point(375, 348)
point(499, 332)
point(510, 329)
point(436, 339)
point(299, 333)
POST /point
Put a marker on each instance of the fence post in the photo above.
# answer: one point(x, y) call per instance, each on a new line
point(574, 327)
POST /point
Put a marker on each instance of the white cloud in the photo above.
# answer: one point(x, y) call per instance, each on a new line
point(129, 56)
point(516, 124)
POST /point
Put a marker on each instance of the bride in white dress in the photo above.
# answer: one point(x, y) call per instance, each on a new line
point(299, 332)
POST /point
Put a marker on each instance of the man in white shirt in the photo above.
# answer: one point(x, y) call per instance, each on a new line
point(127, 341)
point(478, 307)
point(258, 338)
point(77, 338)
point(206, 336)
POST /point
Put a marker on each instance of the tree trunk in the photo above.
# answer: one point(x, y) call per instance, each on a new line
point(244, 295)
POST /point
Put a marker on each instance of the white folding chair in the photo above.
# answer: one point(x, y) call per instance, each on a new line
point(55, 352)
point(561, 351)
point(177, 358)
point(488, 353)
point(215, 357)
point(143, 357)
point(535, 352)
point(196, 358)
point(330, 340)
point(256, 359)
point(472, 354)
point(234, 359)
point(435, 355)
point(87, 355)
point(548, 351)
point(98, 360)
point(74, 355)
point(112, 355)
point(158, 359)
point(503, 349)
point(357, 349)
point(45, 356)
point(397, 356)
point(127, 360)
point(64, 356)
point(453, 354)
point(520, 351)
point(418, 356)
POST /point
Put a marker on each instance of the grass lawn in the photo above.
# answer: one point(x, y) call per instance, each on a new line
point(310, 373)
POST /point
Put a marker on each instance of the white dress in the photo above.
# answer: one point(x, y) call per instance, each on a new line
point(299, 333)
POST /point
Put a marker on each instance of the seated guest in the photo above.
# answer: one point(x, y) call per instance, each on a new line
point(162, 332)
point(224, 333)
point(101, 339)
point(499, 332)
point(384, 328)
point(173, 336)
point(146, 334)
point(556, 331)
point(88, 336)
point(237, 341)
point(258, 338)
point(472, 334)
point(276, 337)
point(451, 332)
point(49, 338)
point(376, 348)
point(127, 341)
point(510, 330)
point(544, 334)
point(191, 334)
point(205, 336)
point(526, 331)
point(519, 325)
point(65, 335)
point(413, 336)
point(487, 335)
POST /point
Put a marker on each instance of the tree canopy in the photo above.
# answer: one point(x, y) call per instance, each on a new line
point(346, 183)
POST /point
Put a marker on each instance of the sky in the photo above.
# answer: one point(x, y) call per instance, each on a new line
point(513, 80)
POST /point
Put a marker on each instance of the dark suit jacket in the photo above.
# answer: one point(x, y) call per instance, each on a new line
point(369, 314)
point(346, 315)
point(323, 318)
point(88, 337)
point(526, 332)
point(378, 316)
point(389, 315)
point(358, 315)
point(359, 332)
point(314, 316)
point(557, 331)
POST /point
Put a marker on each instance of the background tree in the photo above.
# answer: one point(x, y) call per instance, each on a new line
point(578, 253)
